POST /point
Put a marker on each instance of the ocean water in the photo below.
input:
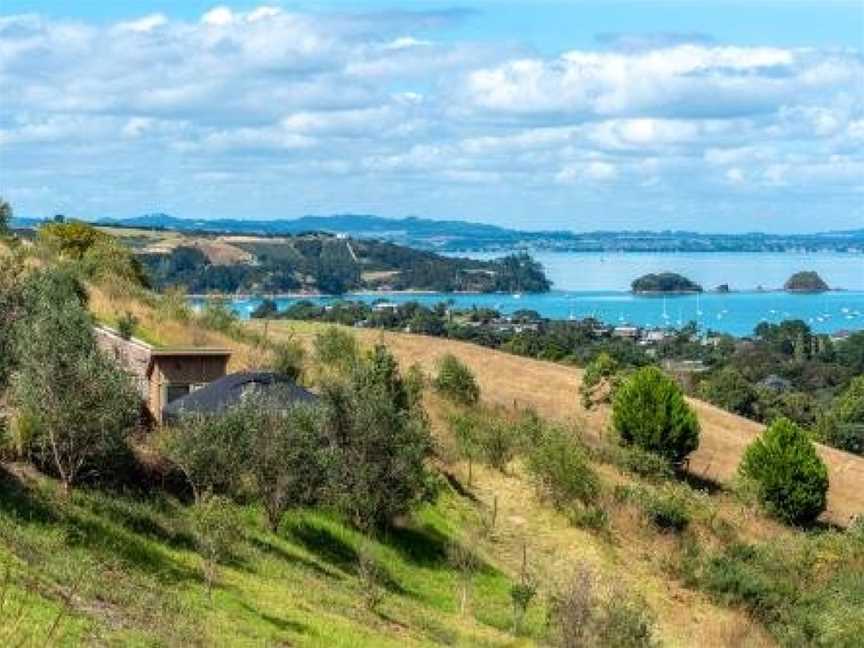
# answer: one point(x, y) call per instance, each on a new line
point(740, 270)
point(596, 285)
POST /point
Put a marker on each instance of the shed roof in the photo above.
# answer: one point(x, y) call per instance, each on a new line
point(230, 390)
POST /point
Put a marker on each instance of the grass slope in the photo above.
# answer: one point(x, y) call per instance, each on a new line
point(103, 568)
point(552, 390)
point(124, 571)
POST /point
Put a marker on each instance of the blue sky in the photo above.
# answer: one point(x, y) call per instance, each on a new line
point(717, 116)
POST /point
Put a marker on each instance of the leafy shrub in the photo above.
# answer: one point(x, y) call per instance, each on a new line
point(844, 427)
point(649, 411)
point(498, 441)
point(218, 315)
point(284, 456)
point(560, 469)
point(336, 347)
point(126, 325)
point(82, 405)
point(587, 613)
point(792, 480)
point(668, 510)
point(377, 444)
point(211, 451)
point(218, 531)
point(288, 358)
point(599, 372)
point(456, 381)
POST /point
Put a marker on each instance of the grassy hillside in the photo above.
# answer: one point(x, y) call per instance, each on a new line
point(553, 390)
point(122, 568)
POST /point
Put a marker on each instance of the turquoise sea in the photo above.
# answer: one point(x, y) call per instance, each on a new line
point(594, 284)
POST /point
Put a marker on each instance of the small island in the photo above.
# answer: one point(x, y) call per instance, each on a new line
point(805, 282)
point(664, 283)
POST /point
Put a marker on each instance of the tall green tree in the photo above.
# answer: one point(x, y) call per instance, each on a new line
point(791, 479)
point(649, 411)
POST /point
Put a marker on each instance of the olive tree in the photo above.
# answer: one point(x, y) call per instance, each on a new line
point(378, 443)
point(80, 404)
point(649, 411)
point(210, 450)
point(284, 455)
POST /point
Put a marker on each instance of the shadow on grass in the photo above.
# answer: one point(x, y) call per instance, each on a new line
point(285, 625)
point(19, 501)
point(103, 539)
point(700, 482)
point(267, 547)
point(424, 547)
point(322, 542)
point(134, 517)
point(332, 549)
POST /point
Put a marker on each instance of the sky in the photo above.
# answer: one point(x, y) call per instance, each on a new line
point(717, 116)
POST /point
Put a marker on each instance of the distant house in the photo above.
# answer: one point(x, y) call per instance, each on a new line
point(163, 374)
point(628, 332)
point(775, 383)
point(231, 390)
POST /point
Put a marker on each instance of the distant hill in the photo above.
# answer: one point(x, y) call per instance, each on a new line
point(319, 263)
point(464, 236)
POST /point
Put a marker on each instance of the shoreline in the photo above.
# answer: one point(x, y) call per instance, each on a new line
point(397, 293)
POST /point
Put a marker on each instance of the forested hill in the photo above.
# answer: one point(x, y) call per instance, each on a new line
point(458, 235)
point(325, 263)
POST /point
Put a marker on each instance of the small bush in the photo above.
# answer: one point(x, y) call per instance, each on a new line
point(372, 579)
point(587, 613)
point(792, 480)
point(498, 442)
point(336, 347)
point(288, 358)
point(218, 531)
point(456, 381)
point(560, 471)
point(649, 411)
point(218, 315)
point(591, 517)
point(126, 325)
point(668, 510)
point(639, 462)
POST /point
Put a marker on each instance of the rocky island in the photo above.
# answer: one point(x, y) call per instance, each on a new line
point(664, 283)
point(807, 281)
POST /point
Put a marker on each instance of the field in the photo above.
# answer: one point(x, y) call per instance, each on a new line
point(553, 390)
point(113, 568)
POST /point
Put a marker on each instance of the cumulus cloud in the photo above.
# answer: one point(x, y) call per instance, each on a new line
point(271, 97)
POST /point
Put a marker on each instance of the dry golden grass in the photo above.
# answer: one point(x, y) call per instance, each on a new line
point(553, 391)
point(160, 329)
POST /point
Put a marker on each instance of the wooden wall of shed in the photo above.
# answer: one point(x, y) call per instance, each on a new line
point(182, 370)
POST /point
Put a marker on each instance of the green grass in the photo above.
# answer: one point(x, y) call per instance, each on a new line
point(113, 569)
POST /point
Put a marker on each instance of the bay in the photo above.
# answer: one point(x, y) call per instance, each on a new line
point(596, 285)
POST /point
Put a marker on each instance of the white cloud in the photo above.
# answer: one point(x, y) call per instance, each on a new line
point(218, 17)
point(145, 24)
point(379, 100)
